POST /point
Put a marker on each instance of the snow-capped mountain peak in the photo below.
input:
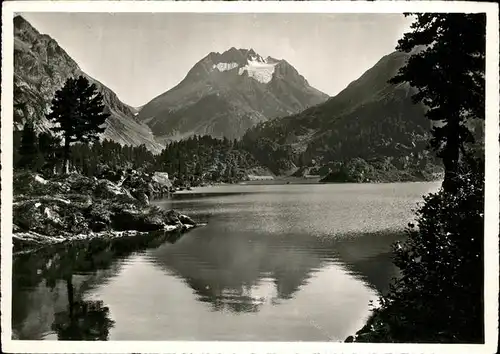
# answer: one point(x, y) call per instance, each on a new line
point(251, 63)
point(226, 93)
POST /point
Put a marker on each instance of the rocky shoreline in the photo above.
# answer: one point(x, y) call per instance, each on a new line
point(72, 207)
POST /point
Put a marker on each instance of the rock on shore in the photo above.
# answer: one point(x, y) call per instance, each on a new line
point(74, 206)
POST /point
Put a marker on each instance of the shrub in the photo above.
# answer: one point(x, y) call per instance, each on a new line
point(439, 297)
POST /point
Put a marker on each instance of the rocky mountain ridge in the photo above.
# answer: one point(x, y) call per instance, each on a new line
point(41, 67)
point(225, 94)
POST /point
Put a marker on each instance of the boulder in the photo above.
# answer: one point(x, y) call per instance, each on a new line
point(98, 226)
point(49, 216)
point(29, 183)
point(186, 220)
point(173, 217)
point(110, 191)
point(151, 190)
point(162, 179)
point(156, 217)
point(153, 186)
point(149, 219)
point(99, 213)
point(112, 175)
point(31, 239)
point(127, 219)
point(141, 196)
point(77, 223)
point(78, 184)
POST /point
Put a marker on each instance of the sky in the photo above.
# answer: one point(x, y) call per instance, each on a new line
point(141, 55)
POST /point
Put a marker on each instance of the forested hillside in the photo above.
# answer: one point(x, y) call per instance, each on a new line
point(193, 161)
point(372, 122)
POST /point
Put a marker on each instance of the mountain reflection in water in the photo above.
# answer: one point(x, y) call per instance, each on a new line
point(225, 271)
point(294, 263)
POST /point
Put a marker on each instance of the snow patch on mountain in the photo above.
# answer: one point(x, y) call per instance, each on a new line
point(225, 66)
point(259, 69)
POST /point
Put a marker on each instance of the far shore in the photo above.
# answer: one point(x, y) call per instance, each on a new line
point(295, 181)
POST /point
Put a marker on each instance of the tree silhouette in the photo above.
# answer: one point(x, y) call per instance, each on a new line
point(78, 111)
point(439, 296)
point(50, 149)
point(28, 150)
point(447, 67)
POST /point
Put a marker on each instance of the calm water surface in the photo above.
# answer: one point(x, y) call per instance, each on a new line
point(274, 262)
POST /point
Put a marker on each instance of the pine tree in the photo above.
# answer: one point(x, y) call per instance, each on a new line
point(50, 149)
point(198, 170)
point(439, 295)
point(78, 111)
point(28, 150)
point(447, 67)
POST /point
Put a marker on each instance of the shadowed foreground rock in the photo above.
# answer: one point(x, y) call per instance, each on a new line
point(76, 207)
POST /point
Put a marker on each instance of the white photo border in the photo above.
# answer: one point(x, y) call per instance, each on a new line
point(491, 255)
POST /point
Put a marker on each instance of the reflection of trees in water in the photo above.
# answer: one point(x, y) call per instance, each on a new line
point(224, 269)
point(96, 260)
point(376, 271)
point(88, 320)
point(83, 319)
point(369, 259)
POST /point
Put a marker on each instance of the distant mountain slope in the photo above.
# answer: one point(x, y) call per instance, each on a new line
point(225, 94)
point(369, 120)
point(41, 67)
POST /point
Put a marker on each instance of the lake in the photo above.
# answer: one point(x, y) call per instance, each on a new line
point(297, 262)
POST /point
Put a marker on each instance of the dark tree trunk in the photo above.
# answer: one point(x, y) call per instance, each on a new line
point(452, 156)
point(450, 173)
point(66, 155)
